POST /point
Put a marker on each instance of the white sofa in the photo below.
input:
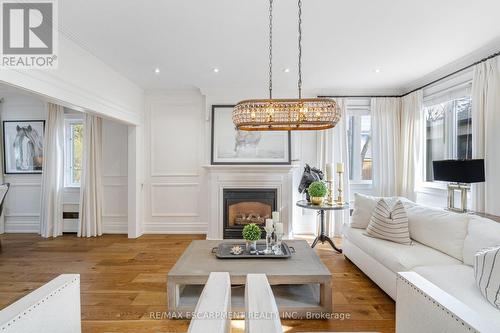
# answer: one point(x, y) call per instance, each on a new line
point(54, 308)
point(442, 254)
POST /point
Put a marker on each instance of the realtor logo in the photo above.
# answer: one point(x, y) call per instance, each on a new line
point(28, 34)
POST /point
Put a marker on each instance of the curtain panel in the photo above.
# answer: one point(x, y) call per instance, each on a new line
point(486, 134)
point(90, 214)
point(411, 141)
point(51, 219)
point(332, 147)
point(386, 132)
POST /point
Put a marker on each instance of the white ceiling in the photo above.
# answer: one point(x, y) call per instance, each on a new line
point(344, 41)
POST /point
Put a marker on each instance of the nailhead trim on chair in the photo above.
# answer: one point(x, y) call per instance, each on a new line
point(452, 315)
point(55, 292)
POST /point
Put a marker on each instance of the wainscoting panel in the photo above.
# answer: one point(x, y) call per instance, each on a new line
point(175, 135)
point(174, 178)
point(177, 200)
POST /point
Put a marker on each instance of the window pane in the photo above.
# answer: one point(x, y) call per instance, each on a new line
point(435, 136)
point(464, 128)
point(366, 148)
point(76, 156)
point(360, 148)
point(448, 132)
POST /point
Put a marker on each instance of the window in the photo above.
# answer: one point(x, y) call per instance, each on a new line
point(359, 141)
point(73, 152)
point(448, 132)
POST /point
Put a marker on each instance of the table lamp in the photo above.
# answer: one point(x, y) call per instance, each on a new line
point(459, 174)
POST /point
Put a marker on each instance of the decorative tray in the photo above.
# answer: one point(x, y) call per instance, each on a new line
point(224, 251)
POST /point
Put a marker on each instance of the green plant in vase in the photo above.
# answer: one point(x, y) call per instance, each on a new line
point(317, 191)
point(251, 233)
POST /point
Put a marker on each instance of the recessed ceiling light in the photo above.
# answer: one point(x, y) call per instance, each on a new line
point(377, 70)
point(216, 70)
point(157, 71)
point(286, 70)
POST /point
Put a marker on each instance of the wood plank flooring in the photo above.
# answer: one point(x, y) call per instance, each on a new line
point(123, 282)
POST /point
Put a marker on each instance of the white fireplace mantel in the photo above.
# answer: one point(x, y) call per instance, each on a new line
point(220, 177)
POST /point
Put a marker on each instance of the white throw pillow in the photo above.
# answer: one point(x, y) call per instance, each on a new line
point(389, 224)
point(440, 229)
point(363, 208)
point(482, 233)
point(487, 274)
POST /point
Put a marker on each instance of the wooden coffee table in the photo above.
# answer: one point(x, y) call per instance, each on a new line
point(301, 284)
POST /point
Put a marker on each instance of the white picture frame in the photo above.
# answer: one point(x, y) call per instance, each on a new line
point(230, 146)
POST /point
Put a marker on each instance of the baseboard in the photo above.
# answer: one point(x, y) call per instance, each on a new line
point(29, 225)
point(175, 228)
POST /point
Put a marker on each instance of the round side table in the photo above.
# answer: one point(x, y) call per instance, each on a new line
point(322, 237)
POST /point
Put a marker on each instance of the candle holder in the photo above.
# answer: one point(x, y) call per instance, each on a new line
point(340, 197)
point(269, 241)
point(277, 248)
point(329, 198)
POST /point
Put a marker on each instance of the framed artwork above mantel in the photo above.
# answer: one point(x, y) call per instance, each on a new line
point(230, 146)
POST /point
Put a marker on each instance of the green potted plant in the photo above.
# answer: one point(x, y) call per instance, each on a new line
point(251, 233)
point(317, 191)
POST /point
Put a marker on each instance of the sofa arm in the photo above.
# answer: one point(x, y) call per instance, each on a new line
point(422, 306)
point(214, 306)
point(54, 308)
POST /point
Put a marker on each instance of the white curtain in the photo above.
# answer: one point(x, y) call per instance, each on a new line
point(412, 132)
point(386, 131)
point(332, 148)
point(51, 220)
point(486, 134)
point(90, 215)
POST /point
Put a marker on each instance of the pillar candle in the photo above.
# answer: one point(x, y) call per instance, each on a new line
point(269, 224)
point(340, 167)
point(276, 217)
point(279, 228)
point(329, 171)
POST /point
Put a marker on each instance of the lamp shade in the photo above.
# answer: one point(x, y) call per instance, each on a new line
point(459, 171)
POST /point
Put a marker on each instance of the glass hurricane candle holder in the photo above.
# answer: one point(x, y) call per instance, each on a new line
point(277, 248)
point(269, 240)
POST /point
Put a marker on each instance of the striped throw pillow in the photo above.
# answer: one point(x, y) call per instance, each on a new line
point(389, 224)
point(487, 274)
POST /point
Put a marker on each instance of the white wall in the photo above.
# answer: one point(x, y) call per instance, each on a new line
point(22, 206)
point(175, 182)
point(83, 82)
point(114, 177)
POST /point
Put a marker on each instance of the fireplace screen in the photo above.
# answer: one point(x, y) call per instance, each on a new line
point(244, 206)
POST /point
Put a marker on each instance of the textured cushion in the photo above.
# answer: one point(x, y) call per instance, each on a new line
point(487, 274)
point(440, 229)
point(482, 233)
point(458, 281)
point(389, 224)
point(394, 256)
point(363, 208)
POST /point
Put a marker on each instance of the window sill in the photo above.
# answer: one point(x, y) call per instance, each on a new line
point(431, 187)
point(71, 188)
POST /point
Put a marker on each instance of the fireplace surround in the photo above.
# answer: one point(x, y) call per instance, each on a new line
point(255, 177)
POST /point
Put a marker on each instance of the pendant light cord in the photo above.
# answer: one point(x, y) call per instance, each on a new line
point(299, 83)
point(270, 49)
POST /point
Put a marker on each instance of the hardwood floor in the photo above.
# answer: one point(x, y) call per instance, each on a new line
point(123, 281)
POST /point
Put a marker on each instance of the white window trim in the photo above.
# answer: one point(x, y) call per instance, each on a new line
point(69, 120)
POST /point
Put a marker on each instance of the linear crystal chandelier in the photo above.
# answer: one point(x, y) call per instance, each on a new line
point(285, 114)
